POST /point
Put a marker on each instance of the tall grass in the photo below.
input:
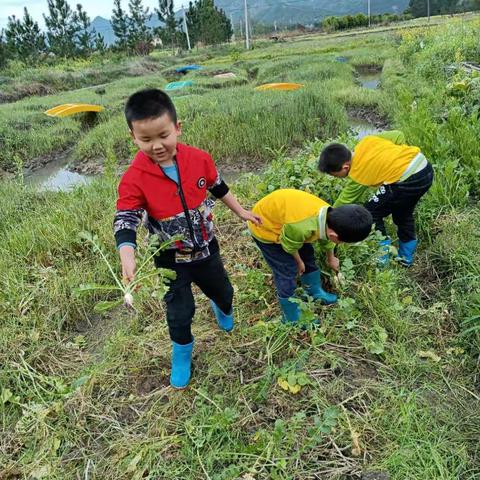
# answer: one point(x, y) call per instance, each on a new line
point(390, 375)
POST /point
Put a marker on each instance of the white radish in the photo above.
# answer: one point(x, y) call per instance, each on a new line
point(128, 300)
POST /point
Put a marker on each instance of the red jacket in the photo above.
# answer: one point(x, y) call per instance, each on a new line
point(172, 209)
point(145, 186)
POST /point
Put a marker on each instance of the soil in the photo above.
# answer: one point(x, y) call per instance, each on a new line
point(152, 379)
point(368, 69)
point(375, 476)
point(369, 115)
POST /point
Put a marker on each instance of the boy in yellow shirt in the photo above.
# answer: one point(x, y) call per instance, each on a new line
point(401, 173)
point(291, 221)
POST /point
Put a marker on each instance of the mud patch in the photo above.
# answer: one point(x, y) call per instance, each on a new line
point(98, 328)
point(370, 115)
point(368, 68)
point(151, 380)
point(375, 476)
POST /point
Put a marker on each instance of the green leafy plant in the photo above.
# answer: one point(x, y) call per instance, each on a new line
point(143, 275)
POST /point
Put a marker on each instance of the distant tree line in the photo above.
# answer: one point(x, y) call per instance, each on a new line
point(419, 8)
point(69, 34)
point(331, 24)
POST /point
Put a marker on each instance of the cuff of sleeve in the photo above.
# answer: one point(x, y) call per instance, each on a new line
point(126, 244)
point(330, 246)
point(220, 190)
point(289, 250)
point(126, 236)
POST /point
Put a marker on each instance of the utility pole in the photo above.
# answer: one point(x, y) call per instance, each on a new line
point(428, 10)
point(241, 28)
point(247, 40)
point(185, 26)
point(369, 15)
point(233, 27)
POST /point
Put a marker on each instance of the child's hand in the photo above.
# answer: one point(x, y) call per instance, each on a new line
point(249, 216)
point(300, 267)
point(333, 262)
point(127, 257)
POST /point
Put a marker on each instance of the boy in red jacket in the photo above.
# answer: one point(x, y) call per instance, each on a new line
point(170, 182)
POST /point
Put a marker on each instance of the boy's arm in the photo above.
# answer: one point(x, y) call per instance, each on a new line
point(232, 203)
point(219, 189)
point(292, 239)
point(127, 218)
point(395, 136)
point(299, 262)
point(351, 193)
point(332, 261)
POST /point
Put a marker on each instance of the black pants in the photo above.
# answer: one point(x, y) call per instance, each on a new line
point(210, 276)
point(400, 200)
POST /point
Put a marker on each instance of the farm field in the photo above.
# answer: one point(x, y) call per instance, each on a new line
point(389, 382)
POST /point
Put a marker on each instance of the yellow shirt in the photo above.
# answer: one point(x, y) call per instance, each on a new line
point(377, 161)
point(291, 218)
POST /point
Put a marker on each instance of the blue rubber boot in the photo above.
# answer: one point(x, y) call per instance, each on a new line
point(406, 252)
point(225, 322)
point(290, 310)
point(312, 284)
point(384, 247)
point(181, 365)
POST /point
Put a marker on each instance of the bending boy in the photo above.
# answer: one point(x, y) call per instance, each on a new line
point(291, 221)
point(401, 173)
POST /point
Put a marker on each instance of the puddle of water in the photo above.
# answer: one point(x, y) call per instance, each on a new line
point(370, 81)
point(55, 176)
point(362, 128)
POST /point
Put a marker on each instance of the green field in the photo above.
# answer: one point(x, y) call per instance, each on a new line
point(389, 382)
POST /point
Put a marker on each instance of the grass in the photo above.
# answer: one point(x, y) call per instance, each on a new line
point(207, 108)
point(389, 381)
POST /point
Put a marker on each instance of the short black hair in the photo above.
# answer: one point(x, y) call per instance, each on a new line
point(352, 223)
point(333, 157)
point(149, 103)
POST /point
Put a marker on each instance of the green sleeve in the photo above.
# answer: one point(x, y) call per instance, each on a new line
point(294, 235)
point(395, 136)
point(351, 193)
point(326, 245)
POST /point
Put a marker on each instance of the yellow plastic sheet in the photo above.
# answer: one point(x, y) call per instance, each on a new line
point(279, 86)
point(71, 108)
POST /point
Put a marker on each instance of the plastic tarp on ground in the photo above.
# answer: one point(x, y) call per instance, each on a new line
point(279, 86)
point(178, 85)
point(71, 108)
point(188, 68)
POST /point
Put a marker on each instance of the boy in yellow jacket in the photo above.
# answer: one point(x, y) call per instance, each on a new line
point(401, 173)
point(291, 221)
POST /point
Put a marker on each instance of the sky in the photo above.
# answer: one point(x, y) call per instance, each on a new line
point(36, 8)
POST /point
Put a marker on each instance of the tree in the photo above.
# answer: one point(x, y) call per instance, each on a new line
point(3, 50)
point(139, 34)
point(208, 24)
point(62, 28)
point(418, 8)
point(24, 40)
point(99, 42)
point(120, 24)
point(169, 32)
point(85, 38)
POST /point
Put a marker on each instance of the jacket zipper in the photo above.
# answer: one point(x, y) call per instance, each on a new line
point(196, 247)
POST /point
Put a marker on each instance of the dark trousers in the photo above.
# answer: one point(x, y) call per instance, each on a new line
point(284, 267)
point(212, 279)
point(400, 200)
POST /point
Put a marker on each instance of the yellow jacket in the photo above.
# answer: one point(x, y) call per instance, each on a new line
point(379, 159)
point(291, 218)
